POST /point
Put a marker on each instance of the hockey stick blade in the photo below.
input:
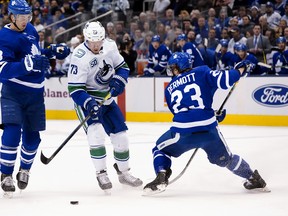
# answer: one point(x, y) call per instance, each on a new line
point(45, 160)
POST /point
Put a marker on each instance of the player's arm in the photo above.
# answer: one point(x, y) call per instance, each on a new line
point(11, 69)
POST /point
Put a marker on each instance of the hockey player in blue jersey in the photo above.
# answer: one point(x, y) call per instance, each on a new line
point(191, 49)
point(158, 57)
point(242, 54)
point(225, 59)
point(189, 96)
point(280, 58)
point(22, 74)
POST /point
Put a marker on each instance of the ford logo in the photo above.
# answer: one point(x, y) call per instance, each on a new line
point(275, 95)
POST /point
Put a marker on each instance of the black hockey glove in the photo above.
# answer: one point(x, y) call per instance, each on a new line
point(93, 108)
point(247, 65)
point(220, 116)
point(36, 63)
point(60, 51)
point(117, 85)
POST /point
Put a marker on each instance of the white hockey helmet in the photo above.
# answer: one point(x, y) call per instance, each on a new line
point(94, 31)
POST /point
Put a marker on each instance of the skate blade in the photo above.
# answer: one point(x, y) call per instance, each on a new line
point(107, 192)
point(260, 190)
point(149, 192)
point(8, 195)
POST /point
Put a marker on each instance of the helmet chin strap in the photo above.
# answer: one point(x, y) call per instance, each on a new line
point(14, 23)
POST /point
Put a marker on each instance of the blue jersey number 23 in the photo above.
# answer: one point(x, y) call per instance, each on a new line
point(177, 96)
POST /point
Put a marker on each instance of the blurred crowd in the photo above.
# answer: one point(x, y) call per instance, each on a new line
point(220, 32)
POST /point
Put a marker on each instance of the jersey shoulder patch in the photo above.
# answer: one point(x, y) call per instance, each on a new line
point(79, 53)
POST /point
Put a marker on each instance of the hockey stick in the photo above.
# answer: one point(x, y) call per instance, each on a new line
point(195, 151)
point(46, 160)
point(271, 66)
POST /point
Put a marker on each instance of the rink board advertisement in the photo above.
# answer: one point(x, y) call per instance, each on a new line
point(255, 100)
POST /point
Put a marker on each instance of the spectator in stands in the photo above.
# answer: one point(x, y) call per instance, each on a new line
point(236, 37)
point(223, 19)
point(38, 25)
point(279, 6)
point(129, 55)
point(258, 44)
point(43, 43)
point(111, 31)
point(225, 34)
point(160, 6)
point(160, 30)
point(152, 19)
point(281, 27)
point(194, 15)
point(254, 14)
point(246, 26)
point(285, 16)
point(143, 50)
point(146, 29)
point(142, 20)
point(272, 16)
point(169, 16)
point(212, 40)
point(138, 39)
point(202, 27)
point(264, 24)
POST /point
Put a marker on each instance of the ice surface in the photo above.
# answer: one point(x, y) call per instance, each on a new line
point(204, 189)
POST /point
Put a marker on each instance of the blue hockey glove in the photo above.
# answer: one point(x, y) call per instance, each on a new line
point(117, 85)
point(36, 63)
point(93, 108)
point(247, 65)
point(148, 72)
point(60, 51)
point(220, 116)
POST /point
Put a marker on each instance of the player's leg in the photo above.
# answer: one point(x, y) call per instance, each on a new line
point(96, 140)
point(114, 125)
point(219, 154)
point(33, 121)
point(8, 153)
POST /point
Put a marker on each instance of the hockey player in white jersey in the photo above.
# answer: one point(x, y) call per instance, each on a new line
point(97, 68)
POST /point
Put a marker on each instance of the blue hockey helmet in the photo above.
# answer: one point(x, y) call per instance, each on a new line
point(281, 40)
point(179, 60)
point(19, 7)
point(181, 37)
point(156, 38)
point(241, 47)
point(224, 42)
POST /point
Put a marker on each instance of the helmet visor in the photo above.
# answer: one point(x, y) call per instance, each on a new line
point(24, 17)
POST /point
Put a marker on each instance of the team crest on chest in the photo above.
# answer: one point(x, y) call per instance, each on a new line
point(104, 74)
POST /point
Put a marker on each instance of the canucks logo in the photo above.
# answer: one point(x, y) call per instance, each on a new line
point(104, 74)
point(274, 95)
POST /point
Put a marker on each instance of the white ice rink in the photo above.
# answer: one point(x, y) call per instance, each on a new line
point(204, 189)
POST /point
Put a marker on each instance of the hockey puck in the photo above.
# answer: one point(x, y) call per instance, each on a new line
point(74, 202)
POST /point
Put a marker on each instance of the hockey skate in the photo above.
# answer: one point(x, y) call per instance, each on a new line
point(159, 184)
point(103, 181)
point(7, 184)
point(256, 183)
point(127, 179)
point(22, 178)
